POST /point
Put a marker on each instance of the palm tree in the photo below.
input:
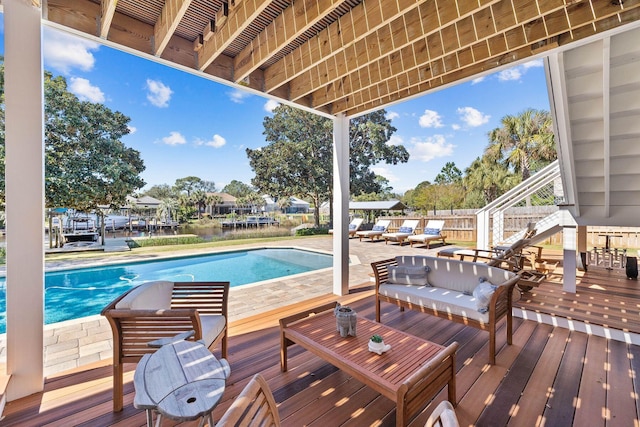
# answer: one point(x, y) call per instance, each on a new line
point(523, 140)
point(489, 178)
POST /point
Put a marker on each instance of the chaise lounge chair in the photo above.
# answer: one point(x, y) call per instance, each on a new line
point(407, 229)
point(377, 231)
point(432, 231)
point(354, 226)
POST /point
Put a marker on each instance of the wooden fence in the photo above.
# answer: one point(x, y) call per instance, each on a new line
point(461, 226)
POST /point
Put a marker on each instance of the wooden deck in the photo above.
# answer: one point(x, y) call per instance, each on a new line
point(550, 376)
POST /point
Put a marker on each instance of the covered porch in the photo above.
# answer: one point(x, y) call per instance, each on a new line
point(551, 375)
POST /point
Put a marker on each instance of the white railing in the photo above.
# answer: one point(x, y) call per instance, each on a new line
point(491, 217)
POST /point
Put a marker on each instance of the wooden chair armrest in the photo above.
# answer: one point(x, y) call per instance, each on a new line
point(286, 321)
point(129, 314)
point(427, 368)
point(381, 272)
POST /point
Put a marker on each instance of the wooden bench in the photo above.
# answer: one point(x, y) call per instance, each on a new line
point(451, 283)
point(157, 310)
point(411, 373)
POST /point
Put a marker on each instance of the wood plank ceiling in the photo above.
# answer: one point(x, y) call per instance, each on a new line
point(341, 56)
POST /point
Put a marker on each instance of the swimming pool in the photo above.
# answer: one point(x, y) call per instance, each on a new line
point(70, 294)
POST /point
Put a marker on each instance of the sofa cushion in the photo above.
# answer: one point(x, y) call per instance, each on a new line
point(212, 325)
point(148, 296)
point(407, 275)
point(461, 276)
point(437, 299)
point(482, 294)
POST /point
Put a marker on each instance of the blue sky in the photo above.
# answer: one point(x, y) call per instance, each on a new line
point(184, 125)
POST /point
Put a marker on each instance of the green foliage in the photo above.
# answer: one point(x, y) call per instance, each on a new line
point(86, 164)
point(312, 231)
point(376, 338)
point(191, 184)
point(164, 241)
point(523, 140)
point(162, 192)
point(254, 233)
point(298, 161)
point(238, 189)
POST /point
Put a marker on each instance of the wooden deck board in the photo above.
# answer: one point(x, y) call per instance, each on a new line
point(549, 376)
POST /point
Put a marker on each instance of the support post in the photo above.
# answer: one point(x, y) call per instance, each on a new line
point(341, 205)
point(569, 259)
point(24, 177)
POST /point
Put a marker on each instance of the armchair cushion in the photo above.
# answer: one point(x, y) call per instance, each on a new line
point(148, 296)
point(212, 325)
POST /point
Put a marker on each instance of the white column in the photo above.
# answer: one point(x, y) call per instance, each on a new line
point(24, 196)
point(482, 230)
point(569, 240)
point(341, 205)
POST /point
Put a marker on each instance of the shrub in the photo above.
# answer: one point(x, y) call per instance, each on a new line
point(311, 231)
point(162, 241)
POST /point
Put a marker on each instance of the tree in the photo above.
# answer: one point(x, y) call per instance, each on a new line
point(86, 164)
point(189, 184)
point(237, 189)
point(489, 179)
point(449, 174)
point(298, 159)
point(162, 192)
point(523, 140)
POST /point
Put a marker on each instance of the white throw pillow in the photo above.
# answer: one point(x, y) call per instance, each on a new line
point(408, 275)
point(482, 293)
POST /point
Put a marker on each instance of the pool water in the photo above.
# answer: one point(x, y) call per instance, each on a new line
point(70, 294)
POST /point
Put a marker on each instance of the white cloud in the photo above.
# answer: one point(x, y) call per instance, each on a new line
point(270, 105)
point(532, 64)
point(63, 52)
point(158, 93)
point(216, 142)
point(174, 138)
point(238, 96)
point(510, 74)
point(430, 119)
point(132, 129)
point(472, 117)
point(477, 80)
point(395, 140)
point(430, 148)
point(84, 90)
point(456, 126)
point(385, 172)
point(392, 115)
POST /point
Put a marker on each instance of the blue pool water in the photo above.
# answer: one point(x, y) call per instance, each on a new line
point(71, 294)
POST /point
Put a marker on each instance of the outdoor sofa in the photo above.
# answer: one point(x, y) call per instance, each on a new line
point(474, 294)
point(163, 309)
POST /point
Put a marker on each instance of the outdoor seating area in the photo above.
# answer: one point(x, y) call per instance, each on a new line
point(432, 232)
point(542, 357)
point(379, 228)
point(408, 228)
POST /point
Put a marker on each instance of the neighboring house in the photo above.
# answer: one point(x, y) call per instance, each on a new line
point(227, 204)
point(296, 205)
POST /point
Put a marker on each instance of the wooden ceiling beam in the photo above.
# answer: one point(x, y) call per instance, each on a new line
point(288, 26)
point(427, 22)
point(172, 13)
point(333, 40)
point(108, 8)
point(240, 17)
point(417, 80)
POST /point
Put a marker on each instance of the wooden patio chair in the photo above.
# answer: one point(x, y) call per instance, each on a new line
point(443, 416)
point(162, 309)
point(255, 406)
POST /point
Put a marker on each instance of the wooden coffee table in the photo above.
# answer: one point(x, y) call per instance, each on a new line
point(410, 374)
